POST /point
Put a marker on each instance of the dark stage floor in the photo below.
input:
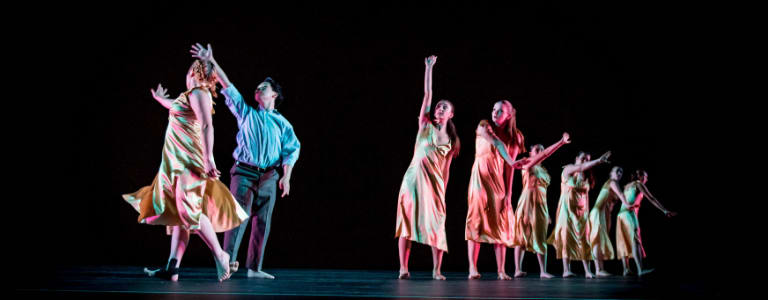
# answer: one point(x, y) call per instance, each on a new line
point(199, 283)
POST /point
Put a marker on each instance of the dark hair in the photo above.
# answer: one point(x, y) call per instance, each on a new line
point(455, 141)
point(590, 176)
point(639, 173)
point(538, 146)
point(277, 88)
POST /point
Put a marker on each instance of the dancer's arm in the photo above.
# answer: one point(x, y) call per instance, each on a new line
point(570, 169)
point(485, 131)
point(201, 104)
point(541, 156)
point(655, 201)
point(290, 154)
point(615, 189)
point(161, 95)
point(447, 171)
point(426, 103)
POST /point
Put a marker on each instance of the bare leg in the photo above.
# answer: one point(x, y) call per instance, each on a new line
point(587, 269)
point(625, 265)
point(567, 268)
point(639, 260)
point(473, 249)
point(599, 267)
point(543, 266)
point(501, 260)
point(209, 237)
point(437, 262)
point(519, 254)
point(179, 242)
point(404, 250)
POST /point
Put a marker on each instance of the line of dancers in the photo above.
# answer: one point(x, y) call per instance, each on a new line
point(578, 234)
point(187, 197)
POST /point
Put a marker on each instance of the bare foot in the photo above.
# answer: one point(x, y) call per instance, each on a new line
point(568, 274)
point(504, 276)
point(404, 275)
point(222, 266)
point(437, 276)
point(157, 273)
point(546, 275)
point(233, 266)
point(259, 275)
point(474, 275)
point(627, 272)
point(589, 275)
point(643, 272)
point(603, 273)
point(519, 274)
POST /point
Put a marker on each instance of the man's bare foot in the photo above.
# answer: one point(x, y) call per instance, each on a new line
point(437, 276)
point(568, 274)
point(589, 275)
point(503, 276)
point(546, 275)
point(233, 266)
point(603, 273)
point(519, 274)
point(404, 275)
point(259, 275)
point(644, 272)
point(222, 266)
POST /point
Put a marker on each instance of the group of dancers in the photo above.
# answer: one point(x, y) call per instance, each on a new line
point(579, 234)
point(187, 196)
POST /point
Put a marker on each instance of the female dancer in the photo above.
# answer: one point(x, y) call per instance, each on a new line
point(490, 217)
point(628, 242)
point(600, 221)
point(421, 202)
point(571, 227)
point(186, 194)
point(532, 214)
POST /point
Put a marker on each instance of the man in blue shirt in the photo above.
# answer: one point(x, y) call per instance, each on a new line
point(265, 142)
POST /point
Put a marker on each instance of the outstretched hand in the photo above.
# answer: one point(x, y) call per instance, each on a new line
point(604, 157)
point(566, 138)
point(159, 93)
point(202, 53)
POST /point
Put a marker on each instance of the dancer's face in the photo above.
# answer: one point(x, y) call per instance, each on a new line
point(644, 178)
point(443, 110)
point(581, 158)
point(264, 92)
point(616, 173)
point(536, 149)
point(500, 113)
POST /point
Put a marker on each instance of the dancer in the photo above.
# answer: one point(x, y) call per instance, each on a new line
point(421, 201)
point(628, 241)
point(186, 193)
point(490, 216)
point(532, 214)
point(600, 221)
point(266, 142)
point(571, 226)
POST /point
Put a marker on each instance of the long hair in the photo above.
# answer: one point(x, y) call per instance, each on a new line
point(516, 137)
point(203, 72)
point(452, 133)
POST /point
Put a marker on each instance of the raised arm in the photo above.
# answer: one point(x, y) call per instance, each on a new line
point(570, 169)
point(206, 54)
point(541, 156)
point(426, 103)
point(161, 95)
point(655, 201)
point(201, 104)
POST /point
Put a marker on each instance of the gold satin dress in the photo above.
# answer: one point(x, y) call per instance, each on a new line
point(532, 213)
point(599, 221)
point(571, 223)
point(421, 202)
point(628, 224)
point(181, 192)
point(486, 221)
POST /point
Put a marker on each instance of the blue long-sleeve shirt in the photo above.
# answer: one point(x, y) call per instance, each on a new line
point(265, 137)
